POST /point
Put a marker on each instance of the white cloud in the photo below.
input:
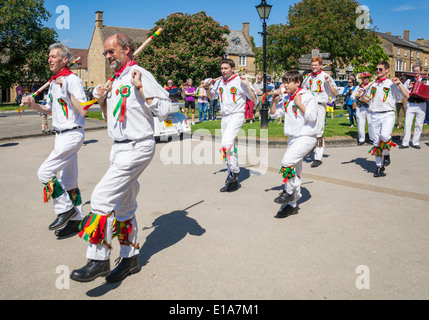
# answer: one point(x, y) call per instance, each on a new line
point(409, 7)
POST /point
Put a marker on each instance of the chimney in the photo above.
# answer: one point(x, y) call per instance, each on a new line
point(407, 35)
point(389, 33)
point(246, 32)
point(99, 19)
point(421, 41)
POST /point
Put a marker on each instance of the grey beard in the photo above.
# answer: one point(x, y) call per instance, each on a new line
point(115, 64)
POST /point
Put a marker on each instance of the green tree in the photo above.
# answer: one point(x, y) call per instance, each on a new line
point(24, 42)
point(328, 25)
point(190, 46)
point(368, 57)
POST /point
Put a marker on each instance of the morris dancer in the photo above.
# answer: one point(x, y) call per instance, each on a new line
point(232, 91)
point(362, 114)
point(416, 107)
point(323, 86)
point(300, 111)
point(381, 97)
point(128, 107)
point(59, 172)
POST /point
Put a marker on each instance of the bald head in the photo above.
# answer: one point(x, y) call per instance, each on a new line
point(118, 50)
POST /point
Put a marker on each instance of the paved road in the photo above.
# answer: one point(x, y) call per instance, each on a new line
point(355, 237)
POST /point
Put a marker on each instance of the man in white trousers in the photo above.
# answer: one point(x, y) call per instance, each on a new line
point(231, 91)
point(416, 108)
point(128, 106)
point(59, 172)
point(300, 111)
point(323, 86)
point(362, 114)
point(382, 96)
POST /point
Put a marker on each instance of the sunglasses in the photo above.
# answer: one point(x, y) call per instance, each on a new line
point(379, 69)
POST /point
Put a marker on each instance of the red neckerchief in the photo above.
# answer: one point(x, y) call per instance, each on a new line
point(317, 73)
point(381, 80)
point(63, 73)
point(419, 77)
point(293, 97)
point(232, 77)
point(119, 72)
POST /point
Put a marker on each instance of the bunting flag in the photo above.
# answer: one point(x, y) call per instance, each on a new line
point(64, 107)
point(233, 92)
point(52, 189)
point(287, 173)
point(386, 93)
point(226, 153)
point(125, 92)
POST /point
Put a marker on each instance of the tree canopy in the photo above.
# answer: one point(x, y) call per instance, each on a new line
point(24, 42)
point(328, 25)
point(190, 46)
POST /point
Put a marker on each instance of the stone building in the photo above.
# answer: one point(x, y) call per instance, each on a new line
point(98, 69)
point(240, 50)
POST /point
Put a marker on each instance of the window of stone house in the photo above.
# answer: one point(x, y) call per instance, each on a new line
point(405, 52)
point(411, 52)
point(236, 41)
point(426, 62)
point(242, 61)
point(398, 65)
point(399, 51)
point(418, 54)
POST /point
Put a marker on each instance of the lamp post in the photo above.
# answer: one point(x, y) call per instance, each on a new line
point(264, 10)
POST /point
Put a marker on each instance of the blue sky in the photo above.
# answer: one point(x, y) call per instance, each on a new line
point(392, 15)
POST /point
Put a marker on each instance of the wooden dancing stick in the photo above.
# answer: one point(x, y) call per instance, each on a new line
point(218, 78)
point(109, 82)
point(34, 94)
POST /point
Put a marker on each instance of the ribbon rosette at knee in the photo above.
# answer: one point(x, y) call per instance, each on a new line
point(52, 189)
point(376, 151)
point(75, 196)
point(234, 92)
point(64, 107)
point(125, 92)
point(226, 153)
point(287, 173)
point(387, 145)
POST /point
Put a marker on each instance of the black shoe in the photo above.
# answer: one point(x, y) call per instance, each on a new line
point(360, 143)
point(316, 163)
point(284, 197)
point(232, 177)
point(92, 270)
point(403, 147)
point(379, 172)
point(286, 211)
point(126, 267)
point(62, 219)
point(386, 160)
point(71, 227)
point(416, 146)
point(230, 187)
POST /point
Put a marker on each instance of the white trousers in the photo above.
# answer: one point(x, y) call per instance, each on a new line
point(419, 111)
point(231, 125)
point(363, 116)
point(117, 192)
point(297, 148)
point(321, 115)
point(382, 125)
point(63, 164)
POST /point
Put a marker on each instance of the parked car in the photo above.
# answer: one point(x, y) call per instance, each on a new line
point(341, 84)
point(175, 124)
point(88, 93)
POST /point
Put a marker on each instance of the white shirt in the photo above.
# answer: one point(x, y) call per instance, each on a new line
point(299, 124)
point(230, 102)
point(138, 121)
point(64, 115)
point(320, 87)
point(383, 96)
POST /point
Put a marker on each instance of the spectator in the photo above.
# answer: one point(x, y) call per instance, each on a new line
point(401, 107)
point(174, 92)
point(18, 94)
point(212, 109)
point(259, 86)
point(348, 101)
point(190, 93)
point(270, 87)
point(202, 103)
point(248, 110)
